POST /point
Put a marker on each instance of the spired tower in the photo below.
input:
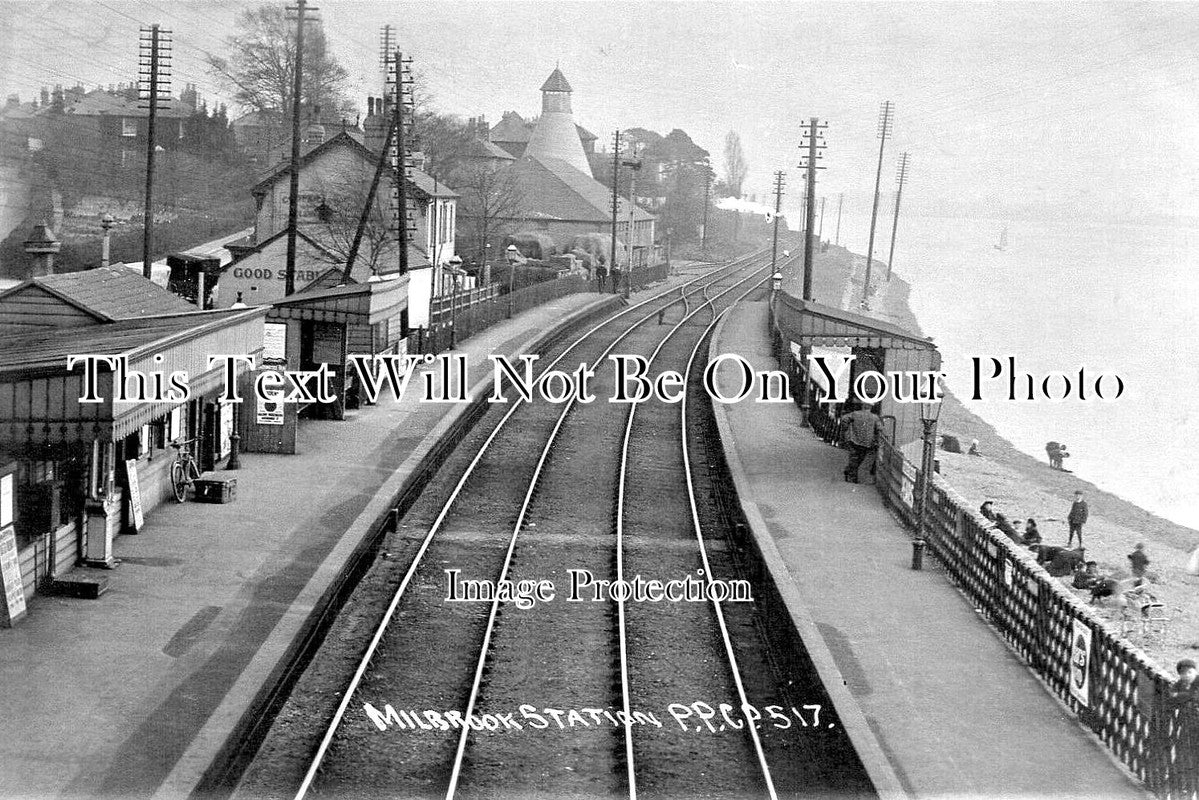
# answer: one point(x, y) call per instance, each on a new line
point(555, 135)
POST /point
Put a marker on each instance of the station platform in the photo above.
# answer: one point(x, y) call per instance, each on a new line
point(135, 693)
point(934, 701)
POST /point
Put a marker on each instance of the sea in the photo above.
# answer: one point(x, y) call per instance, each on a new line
point(1113, 299)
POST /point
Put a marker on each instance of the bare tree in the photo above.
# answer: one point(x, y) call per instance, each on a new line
point(259, 69)
point(735, 170)
point(337, 217)
point(491, 203)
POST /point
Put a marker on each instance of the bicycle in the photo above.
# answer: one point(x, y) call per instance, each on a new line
point(184, 471)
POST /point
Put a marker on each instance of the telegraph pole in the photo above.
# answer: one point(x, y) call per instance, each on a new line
point(615, 204)
point(780, 178)
point(820, 230)
point(901, 176)
point(814, 143)
point(885, 116)
point(385, 55)
point(400, 80)
point(703, 234)
point(154, 84)
point(634, 164)
point(840, 202)
point(293, 207)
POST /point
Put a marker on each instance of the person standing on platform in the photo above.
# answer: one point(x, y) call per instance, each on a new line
point(862, 429)
point(1077, 518)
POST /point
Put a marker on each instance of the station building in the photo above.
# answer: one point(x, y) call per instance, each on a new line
point(79, 473)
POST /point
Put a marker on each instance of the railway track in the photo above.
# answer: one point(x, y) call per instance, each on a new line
point(557, 698)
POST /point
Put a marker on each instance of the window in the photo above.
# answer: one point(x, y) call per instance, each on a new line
point(128, 127)
point(128, 157)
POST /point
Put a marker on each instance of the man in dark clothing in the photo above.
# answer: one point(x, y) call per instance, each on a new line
point(1139, 561)
point(1182, 691)
point(987, 510)
point(1077, 518)
point(1007, 529)
point(862, 428)
point(1065, 562)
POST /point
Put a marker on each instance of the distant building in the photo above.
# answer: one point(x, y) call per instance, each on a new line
point(559, 195)
point(514, 133)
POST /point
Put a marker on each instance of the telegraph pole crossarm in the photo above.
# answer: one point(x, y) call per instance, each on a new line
point(780, 178)
point(615, 205)
point(301, 10)
point(814, 143)
point(154, 81)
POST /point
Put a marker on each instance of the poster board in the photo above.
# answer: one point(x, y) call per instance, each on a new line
point(137, 517)
point(269, 406)
point(1080, 662)
point(274, 343)
point(12, 591)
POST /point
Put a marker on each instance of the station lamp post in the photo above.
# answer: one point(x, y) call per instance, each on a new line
point(512, 254)
point(929, 412)
point(455, 264)
point(776, 283)
point(487, 264)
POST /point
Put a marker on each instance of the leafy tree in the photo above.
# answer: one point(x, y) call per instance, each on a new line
point(259, 70)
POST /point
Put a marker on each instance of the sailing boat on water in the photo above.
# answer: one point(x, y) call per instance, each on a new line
point(1002, 245)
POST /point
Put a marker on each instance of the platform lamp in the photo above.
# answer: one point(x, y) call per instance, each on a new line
point(234, 461)
point(930, 410)
point(511, 254)
point(106, 222)
point(455, 264)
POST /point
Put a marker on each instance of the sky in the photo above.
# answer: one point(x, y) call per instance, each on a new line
point(1055, 110)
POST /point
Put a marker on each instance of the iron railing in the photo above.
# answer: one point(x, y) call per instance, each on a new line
point(453, 318)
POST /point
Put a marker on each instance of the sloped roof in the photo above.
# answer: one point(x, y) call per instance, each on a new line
point(109, 293)
point(420, 180)
point(99, 103)
point(515, 128)
point(556, 82)
point(478, 148)
point(47, 349)
point(553, 188)
point(511, 128)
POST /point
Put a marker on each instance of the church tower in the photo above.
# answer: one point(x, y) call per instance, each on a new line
point(555, 135)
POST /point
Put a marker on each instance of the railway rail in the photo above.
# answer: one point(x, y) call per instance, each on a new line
point(608, 698)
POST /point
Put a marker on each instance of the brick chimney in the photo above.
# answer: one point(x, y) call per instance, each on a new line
point(42, 246)
point(374, 127)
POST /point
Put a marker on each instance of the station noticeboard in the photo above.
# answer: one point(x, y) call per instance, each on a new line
point(12, 591)
point(136, 515)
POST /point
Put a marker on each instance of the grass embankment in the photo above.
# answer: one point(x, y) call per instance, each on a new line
point(1023, 486)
